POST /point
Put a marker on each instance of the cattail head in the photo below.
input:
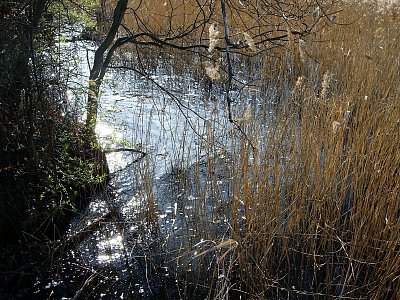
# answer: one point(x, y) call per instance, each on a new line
point(250, 42)
point(213, 34)
point(387, 6)
point(335, 126)
point(316, 13)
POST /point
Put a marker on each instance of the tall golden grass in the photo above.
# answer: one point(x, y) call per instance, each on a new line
point(321, 202)
point(314, 210)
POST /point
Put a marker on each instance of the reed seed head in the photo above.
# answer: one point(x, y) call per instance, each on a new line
point(213, 34)
point(212, 70)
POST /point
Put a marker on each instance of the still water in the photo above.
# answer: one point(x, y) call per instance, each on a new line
point(134, 239)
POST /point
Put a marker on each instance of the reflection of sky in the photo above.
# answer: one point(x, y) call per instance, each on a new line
point(104, 129)
point(147, 119)
point(133, 113)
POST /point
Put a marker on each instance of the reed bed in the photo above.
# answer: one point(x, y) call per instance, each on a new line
point(313, 210)
point(321, 203)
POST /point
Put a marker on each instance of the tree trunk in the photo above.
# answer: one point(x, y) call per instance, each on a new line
point(92, 107)
point(102, 58)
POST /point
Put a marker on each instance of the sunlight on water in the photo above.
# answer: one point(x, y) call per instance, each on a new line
point(70, 96)
point(117, 161)
point(98, 207)
point(106, 258)
point(110, 249)
point(104, 130)
point(131, 205)
point(116, 241)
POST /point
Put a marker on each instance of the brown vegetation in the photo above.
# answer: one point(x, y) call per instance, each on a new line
point(327, 223)
point(315, 208)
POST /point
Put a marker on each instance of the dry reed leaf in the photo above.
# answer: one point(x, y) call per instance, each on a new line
point(217, 247)
point(226, 253)
point(250, 42)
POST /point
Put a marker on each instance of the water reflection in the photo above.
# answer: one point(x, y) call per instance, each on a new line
point(104, 129)
point(154, 206)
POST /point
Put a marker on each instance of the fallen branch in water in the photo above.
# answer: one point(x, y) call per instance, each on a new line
point(142, 154)
point(77, 237)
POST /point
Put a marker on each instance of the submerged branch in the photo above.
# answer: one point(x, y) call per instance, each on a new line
point(142, 154)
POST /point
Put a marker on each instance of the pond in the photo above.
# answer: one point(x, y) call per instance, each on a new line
point(134, 240)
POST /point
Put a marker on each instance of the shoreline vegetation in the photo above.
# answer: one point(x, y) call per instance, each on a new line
point(314, 208)
point(48, 171)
